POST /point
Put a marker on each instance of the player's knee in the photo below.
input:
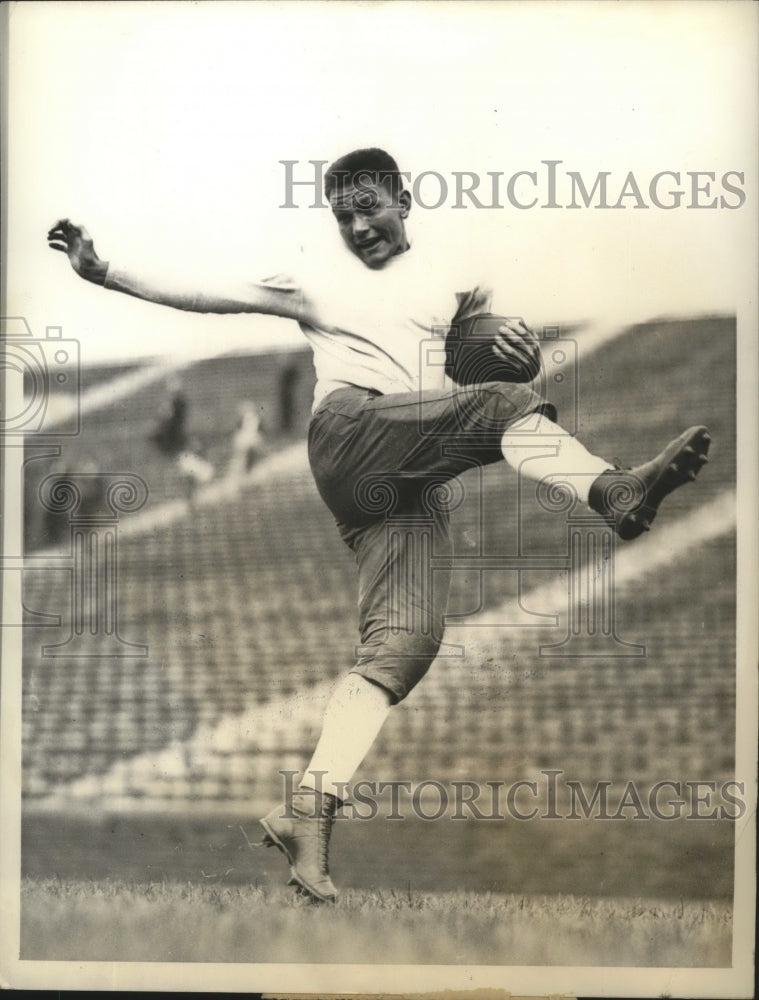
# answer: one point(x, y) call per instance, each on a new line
point(508, 404)
point(398, 666)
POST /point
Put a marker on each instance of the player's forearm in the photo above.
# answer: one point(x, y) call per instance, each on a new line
point(238, 297)
point(164, 292)
point(119, 280)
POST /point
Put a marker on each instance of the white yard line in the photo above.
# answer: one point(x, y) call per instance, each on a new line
point(647, 554)
point(106, 393)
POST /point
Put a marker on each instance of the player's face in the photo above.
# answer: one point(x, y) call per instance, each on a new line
point(371, 221)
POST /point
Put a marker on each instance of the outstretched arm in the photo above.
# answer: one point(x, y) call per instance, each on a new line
point(277, 297)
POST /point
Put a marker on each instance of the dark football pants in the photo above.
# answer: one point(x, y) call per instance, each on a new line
point(383, 466)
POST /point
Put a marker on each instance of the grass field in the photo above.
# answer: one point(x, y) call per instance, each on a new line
point(666, 860)
point(546, 893)
point(162, 922)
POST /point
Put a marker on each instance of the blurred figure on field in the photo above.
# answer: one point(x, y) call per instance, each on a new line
point(170, 434)
point(248, 440)
point(172, 439)
point(287, 380)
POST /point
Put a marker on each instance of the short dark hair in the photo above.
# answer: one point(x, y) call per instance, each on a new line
point(367, 166)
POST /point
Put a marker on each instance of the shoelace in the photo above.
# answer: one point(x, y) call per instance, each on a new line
point(325, 831)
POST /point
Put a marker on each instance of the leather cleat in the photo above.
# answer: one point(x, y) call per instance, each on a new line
point(628, 499)
point(303, 835)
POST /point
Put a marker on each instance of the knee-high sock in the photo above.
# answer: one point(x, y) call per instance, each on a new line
point(541, 450)
point(355, 713)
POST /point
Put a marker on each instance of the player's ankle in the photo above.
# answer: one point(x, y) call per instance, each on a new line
point(615, 490)
point(311, 803)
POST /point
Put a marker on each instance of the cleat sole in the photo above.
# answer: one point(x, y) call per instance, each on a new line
point(302, 888)
point(682, 467)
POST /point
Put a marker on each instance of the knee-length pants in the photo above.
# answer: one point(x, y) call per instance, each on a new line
point(383, 464)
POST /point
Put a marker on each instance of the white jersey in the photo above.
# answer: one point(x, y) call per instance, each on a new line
point(382, 329)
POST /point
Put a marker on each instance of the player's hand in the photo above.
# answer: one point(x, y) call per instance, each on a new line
point(517, 343)
point(77, 243)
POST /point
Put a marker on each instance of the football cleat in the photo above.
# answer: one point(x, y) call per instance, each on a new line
point(303, 836)
point(628, 499)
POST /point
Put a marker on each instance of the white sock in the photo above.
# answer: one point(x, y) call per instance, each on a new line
point(539, 449)
point(356, 710)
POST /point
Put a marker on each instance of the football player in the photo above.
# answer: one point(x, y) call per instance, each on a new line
point(389, 427)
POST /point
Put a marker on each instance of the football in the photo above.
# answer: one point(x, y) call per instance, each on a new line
point(470, 358)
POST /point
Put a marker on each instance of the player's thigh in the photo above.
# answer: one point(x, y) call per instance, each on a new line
point(371, 454)
point(404, 572)
point(445, 433)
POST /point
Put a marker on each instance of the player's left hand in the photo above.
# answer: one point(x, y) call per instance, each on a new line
point(517, 343)
point(76, 243)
